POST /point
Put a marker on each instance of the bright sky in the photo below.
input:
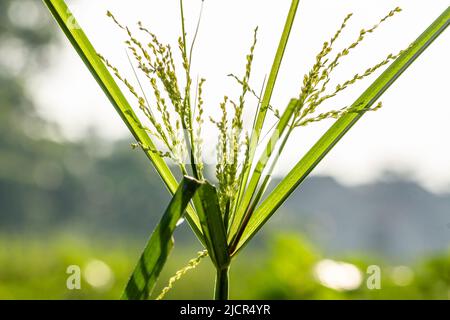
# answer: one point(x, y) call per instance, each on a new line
point(409, 135)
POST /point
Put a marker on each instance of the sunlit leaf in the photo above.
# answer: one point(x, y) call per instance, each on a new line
point(302, 169)
point(158, 248)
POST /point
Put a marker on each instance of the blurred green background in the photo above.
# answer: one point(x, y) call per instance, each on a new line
point(289, 268)
point(93, 203)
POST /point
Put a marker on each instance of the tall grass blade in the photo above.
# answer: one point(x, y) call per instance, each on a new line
point(341, 127)
point(152, 260)
point(260, 165)
point(262, 111)
point(88, 54)
point(213, 227)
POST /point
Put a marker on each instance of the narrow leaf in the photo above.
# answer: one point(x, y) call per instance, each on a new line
point(261, 164)
point(158, 248)
point(262, 111)
point(211, 220)
point(341, 127)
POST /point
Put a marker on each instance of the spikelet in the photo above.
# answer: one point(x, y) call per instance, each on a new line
point(185, 110)
point(336, 114)
point(237, 122)
point(256, 95)
point(156, 62)
point(233, 143)
point(159, 133)
point(192, 264)
point(362, 34)
point(199, 122)
point(222, 152)
point(358, 76)
point(313, 92)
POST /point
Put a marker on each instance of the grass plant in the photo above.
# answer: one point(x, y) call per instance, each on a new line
point(226, 217)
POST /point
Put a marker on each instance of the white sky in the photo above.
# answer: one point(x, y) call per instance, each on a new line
point(409, 135)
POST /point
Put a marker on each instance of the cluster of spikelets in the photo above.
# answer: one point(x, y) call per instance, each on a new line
point(192, 264)
point(313, 91)
point(178, 125)
point(233, 141)
point(171, 114)
point(176, 119)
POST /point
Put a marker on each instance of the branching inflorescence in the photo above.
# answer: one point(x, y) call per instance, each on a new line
point(226, 217)
point(176, 119)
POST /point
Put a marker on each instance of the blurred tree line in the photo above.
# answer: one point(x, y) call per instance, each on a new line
point(47, 184)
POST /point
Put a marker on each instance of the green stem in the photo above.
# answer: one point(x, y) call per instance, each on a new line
point(221, 289)
point(260, 192)
point(190, 143)
point(243, 207)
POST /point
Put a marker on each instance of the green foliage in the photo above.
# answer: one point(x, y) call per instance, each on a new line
point(284, 270)
point(289, 272)
point(227, 218)
point(158, 248)
point(212, 225)
point(35, 268)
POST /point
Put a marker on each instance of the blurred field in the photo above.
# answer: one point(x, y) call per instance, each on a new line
point(92, 202)
point(288, 269)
